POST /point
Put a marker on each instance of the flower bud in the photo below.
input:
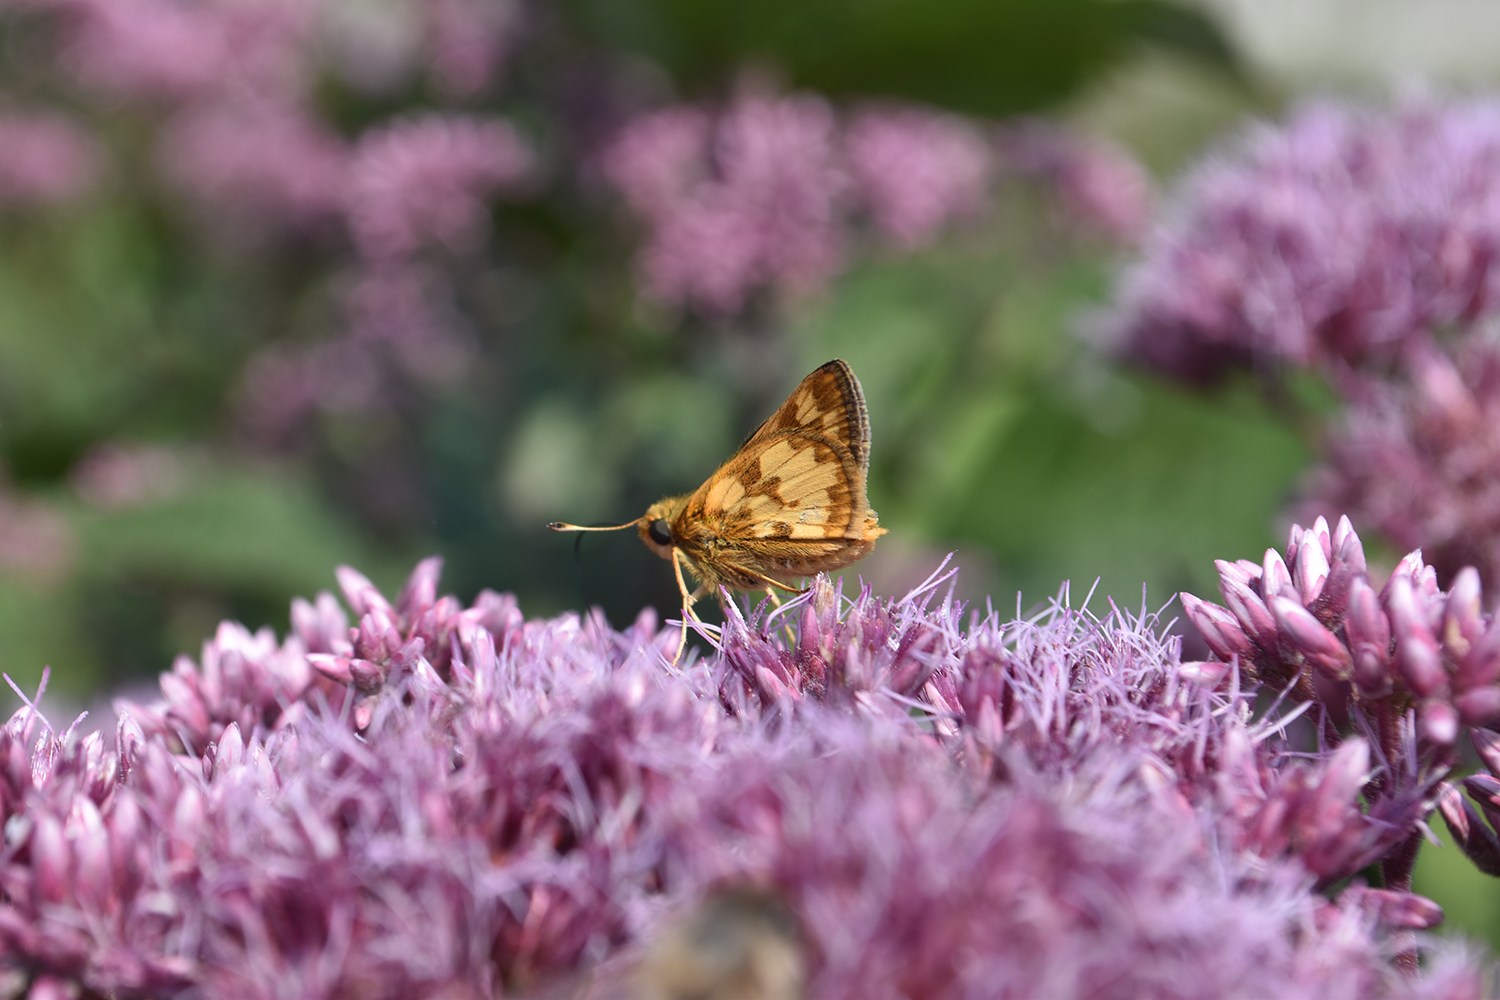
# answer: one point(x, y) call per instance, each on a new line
point(1310, 571)
point(336, 668)
point(1348, 770)
point(1418, 657)
point(1463, 619)
point(1366, 624)
point(1401, 909)
point(1479, 707)
point(1243, 570)
point(1473, 836)
point(51, 859)
point(183, 698)
point(91, 852)
point(1208, 673)
point(1219, 628)
point(231, 750)
point(1319, 646)
point(1437, 722)
point(1254, 617)
point(1275, 577)
point(1487, 745)
point(1481, 665)
point(362, 596)
point(1372, 674)
point(1484, 788)
point(1347, 548)
point(420, 591)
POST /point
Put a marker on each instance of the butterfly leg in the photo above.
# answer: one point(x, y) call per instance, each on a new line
point(786, 628)
point(688, 600)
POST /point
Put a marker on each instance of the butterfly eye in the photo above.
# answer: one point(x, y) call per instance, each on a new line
point(660, 532)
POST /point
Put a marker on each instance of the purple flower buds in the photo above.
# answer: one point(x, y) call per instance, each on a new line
point(911, 793)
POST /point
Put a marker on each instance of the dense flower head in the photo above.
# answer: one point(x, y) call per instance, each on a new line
point(1315, 619)
point(1419, 458)
point(1332, 238)
point(1408, 669)
point(412, 797)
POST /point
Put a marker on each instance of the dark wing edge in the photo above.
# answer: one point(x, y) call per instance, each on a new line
point(854, 401)
point(852, 398)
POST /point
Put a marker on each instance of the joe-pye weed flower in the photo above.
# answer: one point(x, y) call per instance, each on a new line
point(457, 801)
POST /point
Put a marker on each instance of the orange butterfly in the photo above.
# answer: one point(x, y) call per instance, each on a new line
point(789, 504)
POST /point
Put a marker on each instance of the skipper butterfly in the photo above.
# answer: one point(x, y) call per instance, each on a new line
point(789, 504)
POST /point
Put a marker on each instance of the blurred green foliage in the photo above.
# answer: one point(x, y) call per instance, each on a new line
point(986, 57)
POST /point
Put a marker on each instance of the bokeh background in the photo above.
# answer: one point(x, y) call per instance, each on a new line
point(286, 284)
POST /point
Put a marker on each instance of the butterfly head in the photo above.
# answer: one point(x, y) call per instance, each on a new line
point(655, 526)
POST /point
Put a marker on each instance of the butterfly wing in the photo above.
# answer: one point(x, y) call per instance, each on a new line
point(828, 404)
point(792, 501)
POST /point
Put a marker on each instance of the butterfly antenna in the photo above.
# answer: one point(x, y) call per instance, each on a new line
point(565, 526)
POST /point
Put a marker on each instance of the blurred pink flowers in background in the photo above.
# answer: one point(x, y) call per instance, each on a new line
point(114, 475)
point(918, 171)
point(427, 181)
point(768, 195)
point(173, 51)
point(735, 203)
point(1418, 457)
point(263, 165)
point(1329, 240)
point(45, 157)
point(37, 543)
point(1100, 187)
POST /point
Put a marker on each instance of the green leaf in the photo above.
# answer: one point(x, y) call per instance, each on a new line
point(991, 57)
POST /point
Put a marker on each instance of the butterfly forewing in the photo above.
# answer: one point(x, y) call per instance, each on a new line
point(792, 501)
point(829, 404)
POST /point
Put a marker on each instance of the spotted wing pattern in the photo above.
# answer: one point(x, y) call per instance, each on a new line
point(792, 501)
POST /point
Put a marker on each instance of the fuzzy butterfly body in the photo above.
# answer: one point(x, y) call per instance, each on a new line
point(789, 504)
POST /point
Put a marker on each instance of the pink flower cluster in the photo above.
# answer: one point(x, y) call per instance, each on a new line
point(456, 801)
point(1418, 457)
point(762, 196)
point(1331, 239)
point(1410, 666)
